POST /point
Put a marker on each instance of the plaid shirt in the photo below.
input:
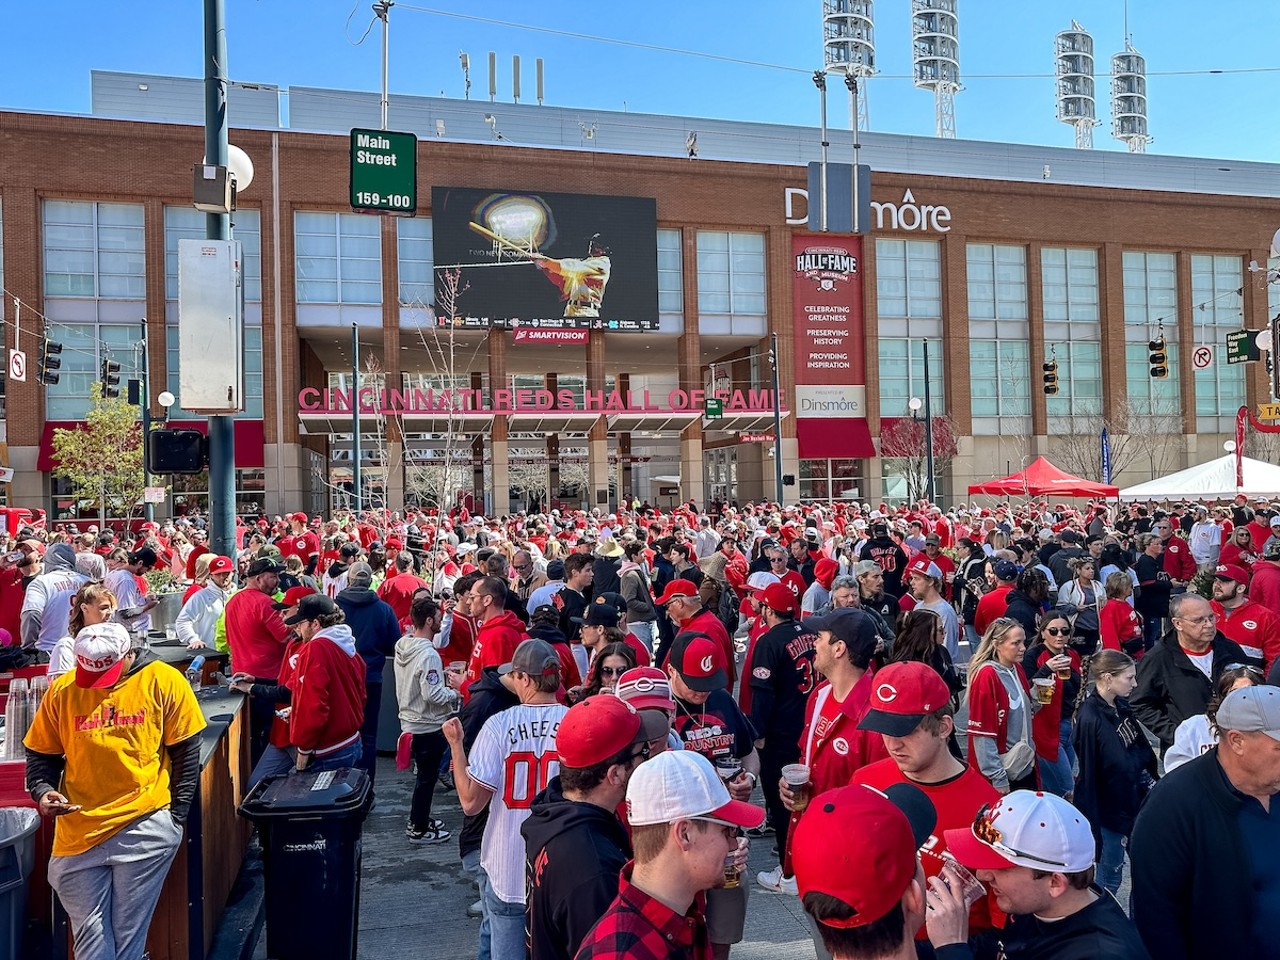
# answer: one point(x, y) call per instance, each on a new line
point(638, 927)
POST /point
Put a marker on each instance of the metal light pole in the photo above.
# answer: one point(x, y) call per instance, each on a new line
point(928, 429)
point(148, 508)
point(356, 499)
point(820, 81)
point(777, 419)
point(851, 82)
point(380, 11)
point(222, 452)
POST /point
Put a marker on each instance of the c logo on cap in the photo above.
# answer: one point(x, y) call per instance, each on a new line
point(706, 664)
point(643, 684)
point(886, 693)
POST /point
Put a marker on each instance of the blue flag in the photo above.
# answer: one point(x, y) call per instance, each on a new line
point(1106, 456)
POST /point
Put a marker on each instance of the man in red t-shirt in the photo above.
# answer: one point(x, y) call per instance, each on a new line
point(911, 710)
point(993, 605)
point(301, 542)
point(1245, 621)
point(398, 589)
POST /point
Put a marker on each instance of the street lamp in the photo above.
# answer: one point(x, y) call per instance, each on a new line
point(915, 404)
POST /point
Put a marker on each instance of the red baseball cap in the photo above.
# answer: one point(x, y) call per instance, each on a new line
point(677, 588)
point(1231, 571)
point(602, 726)
point(697, 659)
point(925, 567)
point(100, 650)
point(778, 596)
point(221, 565)
point(299, 516)
point(645, 688)
point(292, 596)
point(394, 544)
point(859, 845)
point(903, 694)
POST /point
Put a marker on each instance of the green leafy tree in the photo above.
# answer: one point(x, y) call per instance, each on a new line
point(102, 457)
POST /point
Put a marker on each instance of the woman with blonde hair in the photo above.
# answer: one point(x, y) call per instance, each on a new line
point(997, 710)
point(201, 578)
point(1085, 593)
point(92, 604)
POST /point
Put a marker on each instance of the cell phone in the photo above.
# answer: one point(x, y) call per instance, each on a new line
point(66, 806)
point(14, 556)
point(130, 612)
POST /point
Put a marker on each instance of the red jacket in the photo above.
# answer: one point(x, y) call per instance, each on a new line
point(1117, 623)
point(496, 643)
point(328, 692)
point(705, 621)
point(398, 592)
point(1253, 626)
point(1178, 562)
point(991, 606)
point(989, 708)
point(1264, 587)
point(288, 669)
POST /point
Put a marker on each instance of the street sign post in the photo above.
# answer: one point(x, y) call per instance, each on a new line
point(715, 409)
point(18, 366)
point(1242, 346)
point(384, 172)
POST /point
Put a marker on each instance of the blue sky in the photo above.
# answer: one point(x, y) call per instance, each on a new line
point(305, 42)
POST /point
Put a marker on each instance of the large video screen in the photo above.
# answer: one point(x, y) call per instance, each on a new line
point(556, 260)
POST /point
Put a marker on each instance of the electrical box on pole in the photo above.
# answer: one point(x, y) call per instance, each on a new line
point(210, 326)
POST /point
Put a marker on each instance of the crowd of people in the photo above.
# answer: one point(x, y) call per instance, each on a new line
point(953, 728)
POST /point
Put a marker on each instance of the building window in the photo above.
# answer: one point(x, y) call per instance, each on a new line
point(722, 473)
point(252, 375)
point(831, 479)
point(999, 354)
point(909, 282)
point(417, 268)
point(94, 250)
point(1216, 288)
point(731, 283)
point(1072, 330)
point(999, 384)
point(1150, 308)
point(188, 223)
point(84, 346)
point(902, 378)
point(339, 257)
point(671, 273)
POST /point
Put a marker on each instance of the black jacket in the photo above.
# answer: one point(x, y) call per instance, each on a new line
point(1114, 754)
point(1171, 688)
point(574, 852)
point(1023, 609)
point(1060, 563)
point(1192, 889)
point(1100, 931)
point(375, 626)
point(606, 578)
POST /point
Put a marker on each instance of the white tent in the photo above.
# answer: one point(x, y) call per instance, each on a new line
point(1215, 480)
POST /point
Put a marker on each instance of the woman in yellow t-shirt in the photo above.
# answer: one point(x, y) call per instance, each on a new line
point(114, 753)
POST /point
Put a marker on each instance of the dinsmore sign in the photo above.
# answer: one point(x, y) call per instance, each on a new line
point(905, 214)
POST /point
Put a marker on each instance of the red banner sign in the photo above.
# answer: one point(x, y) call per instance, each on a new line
point(826, 295)
point(540, 335)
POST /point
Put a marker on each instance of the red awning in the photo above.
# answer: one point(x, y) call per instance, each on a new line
point(249, 441)
point(835, 438)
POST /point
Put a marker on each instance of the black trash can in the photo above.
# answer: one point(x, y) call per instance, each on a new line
point(310, 826)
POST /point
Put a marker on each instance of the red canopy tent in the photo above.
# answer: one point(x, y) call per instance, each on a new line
point(1040, 479)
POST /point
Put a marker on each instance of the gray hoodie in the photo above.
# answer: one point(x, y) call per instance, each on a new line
point(426, 702)
point(46, 607)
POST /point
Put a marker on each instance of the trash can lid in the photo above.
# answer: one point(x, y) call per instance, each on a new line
point(331, 791)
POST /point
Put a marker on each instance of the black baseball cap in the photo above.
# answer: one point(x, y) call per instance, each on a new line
point(265, 565)
point(598, 615)
point(311, 607)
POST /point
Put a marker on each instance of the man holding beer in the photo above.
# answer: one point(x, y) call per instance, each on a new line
point(832, 747)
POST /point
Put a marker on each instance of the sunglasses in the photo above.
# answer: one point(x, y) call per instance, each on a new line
point(613, 671)
point(1057, 631)
point(984, 829)
point(1249, 667)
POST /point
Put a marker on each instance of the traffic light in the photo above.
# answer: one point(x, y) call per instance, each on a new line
point(1051, 377)
point(1158, 358)
point(110, 377)
point(50, 361)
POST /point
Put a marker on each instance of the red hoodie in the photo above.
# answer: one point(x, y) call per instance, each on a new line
point(495, 644)
point(328, 692)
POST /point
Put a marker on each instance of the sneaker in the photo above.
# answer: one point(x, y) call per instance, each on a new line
point(476, 909)
point(758, 833)
point(774, 881)
point(446, 779)
point(433, 835)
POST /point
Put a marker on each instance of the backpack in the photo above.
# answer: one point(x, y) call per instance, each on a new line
point(727, 609)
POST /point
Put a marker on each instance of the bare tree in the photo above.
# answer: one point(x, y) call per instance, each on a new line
point(904, 448)
point(1137, 438)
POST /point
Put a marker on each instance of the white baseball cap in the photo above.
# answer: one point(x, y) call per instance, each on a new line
point(761, 579)
point(1025, 829)
point(683, 785)
point(100, 650)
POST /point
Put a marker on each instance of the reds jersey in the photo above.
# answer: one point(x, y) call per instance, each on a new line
point(957, 801)
point(303, 546)
point(782, 677)
point(717, 729)
point(1253, 626)
point(514, 757)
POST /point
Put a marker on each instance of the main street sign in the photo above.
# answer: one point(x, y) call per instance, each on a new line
point(384, 172)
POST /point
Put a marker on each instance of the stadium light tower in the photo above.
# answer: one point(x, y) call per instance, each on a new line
point(1073, 52)
point(1129, 99)
point(849, 47)
point(935, 56)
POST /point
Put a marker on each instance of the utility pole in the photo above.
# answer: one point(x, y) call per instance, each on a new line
point(144, 400)
point(222, 451)
point(380, 11)
point(777, 419)
point(355, 418)
point(930, 483)
point(851, 82)
point(820, 81)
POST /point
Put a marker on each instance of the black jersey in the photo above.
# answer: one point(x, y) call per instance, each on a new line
point(782, 677)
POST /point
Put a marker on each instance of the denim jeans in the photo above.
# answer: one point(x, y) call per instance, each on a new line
point(346, 757)
point(1111, 860)
point(1151, 631)
point(1064, 742)
point(506, 926)
point(471, 867)
point(274, 761)
point(1055, 775)
point(643, 632)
